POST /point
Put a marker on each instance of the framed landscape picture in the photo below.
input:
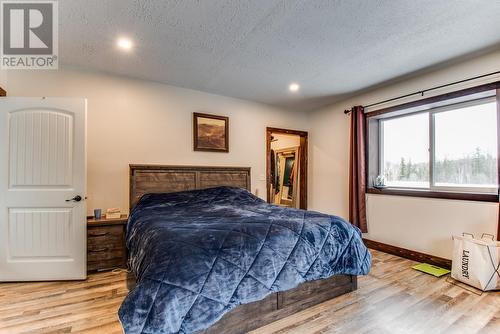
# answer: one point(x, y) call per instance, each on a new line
point(211, 133)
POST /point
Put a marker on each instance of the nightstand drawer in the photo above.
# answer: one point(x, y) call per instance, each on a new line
point(105, 264)
point(104, 253)
point(105, 231)
point(104, 236)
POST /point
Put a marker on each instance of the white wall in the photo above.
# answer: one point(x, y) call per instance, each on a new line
point(134, 121)
point(420, 224)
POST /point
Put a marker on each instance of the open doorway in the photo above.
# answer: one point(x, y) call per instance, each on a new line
point(286, 167)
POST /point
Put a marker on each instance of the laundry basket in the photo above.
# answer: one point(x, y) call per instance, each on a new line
point(476, 261)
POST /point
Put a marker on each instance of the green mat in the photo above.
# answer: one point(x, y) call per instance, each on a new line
point(430, 269)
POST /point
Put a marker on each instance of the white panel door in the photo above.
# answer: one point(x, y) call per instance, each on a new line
point(42, 189)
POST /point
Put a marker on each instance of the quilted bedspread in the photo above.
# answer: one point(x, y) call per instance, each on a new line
point(198, 254)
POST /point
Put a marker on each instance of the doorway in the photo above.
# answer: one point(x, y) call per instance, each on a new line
point(286, 167)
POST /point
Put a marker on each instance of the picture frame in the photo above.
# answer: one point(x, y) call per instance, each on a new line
point(210, 133)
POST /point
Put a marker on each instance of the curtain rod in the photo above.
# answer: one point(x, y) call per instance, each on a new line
point(422, 92)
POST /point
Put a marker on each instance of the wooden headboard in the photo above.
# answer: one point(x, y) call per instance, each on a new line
point(165, 179)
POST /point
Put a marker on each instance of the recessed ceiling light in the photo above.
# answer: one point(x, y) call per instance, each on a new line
point(124, 43)
point(294, 87)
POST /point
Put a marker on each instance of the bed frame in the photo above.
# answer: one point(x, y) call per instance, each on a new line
point(159, 179)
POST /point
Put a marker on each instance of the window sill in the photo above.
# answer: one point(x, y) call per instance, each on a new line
point(434, 194)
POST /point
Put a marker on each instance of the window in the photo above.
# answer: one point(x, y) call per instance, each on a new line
point(465, 148)
point(446, 147)
point(405, 151)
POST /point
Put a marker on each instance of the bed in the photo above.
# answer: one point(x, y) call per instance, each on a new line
point(207, 256)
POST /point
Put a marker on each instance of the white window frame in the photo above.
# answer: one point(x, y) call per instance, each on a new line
point(431, 112)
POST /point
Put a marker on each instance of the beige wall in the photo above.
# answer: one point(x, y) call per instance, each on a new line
point(424, 225)
point(134, 121)
point(285, 141)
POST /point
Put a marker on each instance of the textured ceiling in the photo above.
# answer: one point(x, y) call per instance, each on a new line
point(254, 49)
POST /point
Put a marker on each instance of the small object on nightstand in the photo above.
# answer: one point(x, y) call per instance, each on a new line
point(106, 243)
point(97, 213)
point(113, 213)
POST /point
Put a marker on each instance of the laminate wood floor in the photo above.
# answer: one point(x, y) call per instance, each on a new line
point(393, 298)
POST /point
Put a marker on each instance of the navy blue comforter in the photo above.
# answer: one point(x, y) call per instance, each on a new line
point(198, 254)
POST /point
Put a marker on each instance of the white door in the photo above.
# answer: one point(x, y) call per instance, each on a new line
point(42, 189)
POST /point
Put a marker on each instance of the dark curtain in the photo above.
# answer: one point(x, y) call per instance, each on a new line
point(357, 169)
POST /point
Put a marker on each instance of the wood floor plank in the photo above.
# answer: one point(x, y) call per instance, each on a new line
point(393, 298)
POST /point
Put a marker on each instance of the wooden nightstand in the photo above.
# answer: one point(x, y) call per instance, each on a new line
point(106, 243)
